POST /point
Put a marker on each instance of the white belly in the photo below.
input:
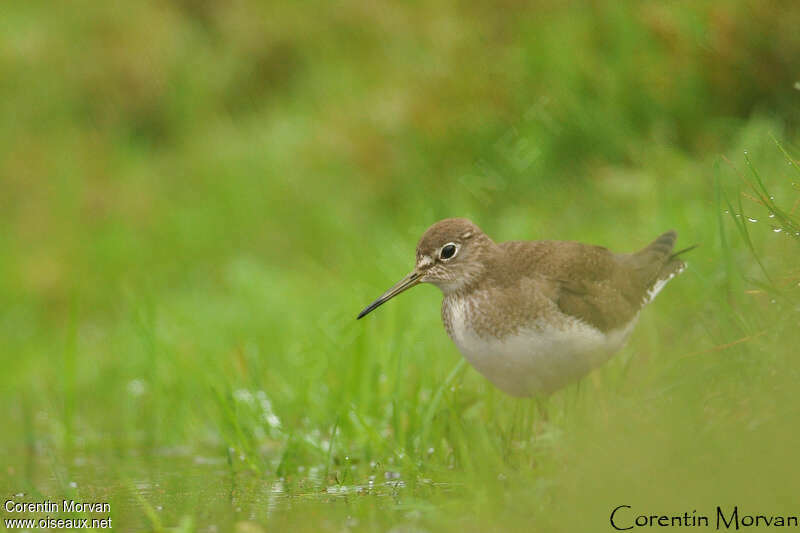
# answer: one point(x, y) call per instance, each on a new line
point(539, 359)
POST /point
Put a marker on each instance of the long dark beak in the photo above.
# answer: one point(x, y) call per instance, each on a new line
point(405, 283)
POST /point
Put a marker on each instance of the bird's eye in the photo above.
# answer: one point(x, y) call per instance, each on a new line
point(448, 251)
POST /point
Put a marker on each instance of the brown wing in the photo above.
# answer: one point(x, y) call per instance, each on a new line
point(590, 282)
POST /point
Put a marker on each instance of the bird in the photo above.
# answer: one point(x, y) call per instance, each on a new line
point(536, 316)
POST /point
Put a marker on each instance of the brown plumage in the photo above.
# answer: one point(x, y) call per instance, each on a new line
point(589, 282)
point(575, 303)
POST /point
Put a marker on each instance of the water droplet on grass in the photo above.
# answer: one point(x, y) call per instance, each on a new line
point(751, 219)
point(777, 230)
point(772, 215)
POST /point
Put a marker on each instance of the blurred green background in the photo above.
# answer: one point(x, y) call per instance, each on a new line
point(197, 197)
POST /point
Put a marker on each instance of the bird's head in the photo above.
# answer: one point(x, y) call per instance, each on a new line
point(451, 255)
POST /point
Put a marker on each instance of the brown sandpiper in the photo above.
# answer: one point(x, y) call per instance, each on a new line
point(535, 316)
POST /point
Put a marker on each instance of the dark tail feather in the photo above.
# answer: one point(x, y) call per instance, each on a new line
point(674, 264)
point(663, 244)
point(656, 261)
point(650, 258)
point(688, 249)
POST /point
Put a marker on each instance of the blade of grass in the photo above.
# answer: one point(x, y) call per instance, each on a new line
point(437, 399)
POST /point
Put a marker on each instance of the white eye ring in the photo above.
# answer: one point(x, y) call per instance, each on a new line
point(448, 246)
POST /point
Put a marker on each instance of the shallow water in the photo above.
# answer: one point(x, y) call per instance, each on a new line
point(178, 488)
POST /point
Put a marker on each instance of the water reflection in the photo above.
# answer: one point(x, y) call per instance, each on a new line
point(172, 485)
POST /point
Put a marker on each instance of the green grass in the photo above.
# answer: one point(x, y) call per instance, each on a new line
point(196, 200)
